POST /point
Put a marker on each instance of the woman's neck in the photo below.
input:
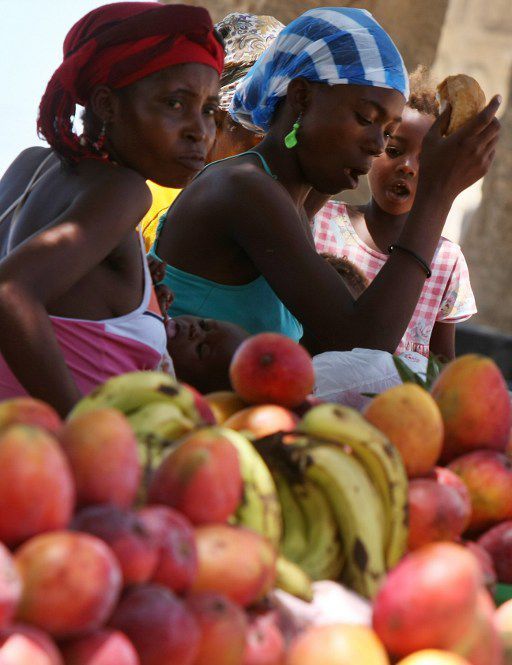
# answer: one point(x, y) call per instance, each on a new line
point(284, 166)
point(383, 227)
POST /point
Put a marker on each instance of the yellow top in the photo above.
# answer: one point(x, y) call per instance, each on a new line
point(162, 199)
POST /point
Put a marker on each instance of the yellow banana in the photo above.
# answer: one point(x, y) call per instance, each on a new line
point(323, 557)
point(157, 425)
point(382, 462)
point(292, 579)
point(260, 509)
point(129, 392)
point(294, 542)
point(359, 512)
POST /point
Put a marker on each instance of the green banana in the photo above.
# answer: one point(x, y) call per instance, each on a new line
point(157, 425)
point(259, 509)
point(294, 540)
point(381, 460)
point(323, 557)
point(292, 579)
point(128, 392)
point(358, 510)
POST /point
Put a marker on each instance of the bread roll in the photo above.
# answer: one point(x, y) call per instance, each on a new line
point(464, 95)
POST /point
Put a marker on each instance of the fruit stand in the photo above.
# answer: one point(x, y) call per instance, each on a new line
point(259, 526)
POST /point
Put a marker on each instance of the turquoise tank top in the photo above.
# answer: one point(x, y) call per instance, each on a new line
point(253, 306)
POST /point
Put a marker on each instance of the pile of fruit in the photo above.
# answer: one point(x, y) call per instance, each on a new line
point(157, 526)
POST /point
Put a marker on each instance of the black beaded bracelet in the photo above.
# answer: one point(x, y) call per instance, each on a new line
point(418, 258)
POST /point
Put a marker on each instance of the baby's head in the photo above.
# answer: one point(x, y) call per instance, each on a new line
point(201, 350)
point(394, 175)
point(354, 278)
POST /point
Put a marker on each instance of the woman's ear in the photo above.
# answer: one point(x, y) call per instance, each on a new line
point(299, 94)
point(104, 103)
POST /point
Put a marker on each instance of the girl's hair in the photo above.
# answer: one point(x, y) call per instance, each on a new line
point(423, 92)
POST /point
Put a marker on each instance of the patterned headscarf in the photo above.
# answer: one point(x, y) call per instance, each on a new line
point(116, 45)
point(333, 45)
point(246, 37)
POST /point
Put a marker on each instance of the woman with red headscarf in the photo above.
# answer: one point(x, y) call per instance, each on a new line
point(76, 300)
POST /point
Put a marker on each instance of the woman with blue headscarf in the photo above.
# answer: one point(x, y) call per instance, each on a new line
point(327, 94)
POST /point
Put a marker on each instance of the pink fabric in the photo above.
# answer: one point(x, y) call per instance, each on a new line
point(92, 354)
point(94, 351)
point(446, 296)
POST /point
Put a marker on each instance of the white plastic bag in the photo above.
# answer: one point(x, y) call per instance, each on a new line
point(343, 376)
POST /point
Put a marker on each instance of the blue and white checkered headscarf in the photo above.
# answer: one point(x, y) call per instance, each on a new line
point(331, 45)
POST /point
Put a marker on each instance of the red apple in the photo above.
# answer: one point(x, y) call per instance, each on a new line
point(488, 476)
point(497, 542)
point(445, 476)
point(472, 395)
point(29, 411)
point(36, 486)
point(223, 628)
point(201, 405)
point(160, 625)
point(436, 512)
point(262, 420)
point(103, 647)
point(71, 582)
point(102, 451)
point(177, 562)
point(485, 560)
point(265, 642)
point(135, 547)
point(234, 561)
point(272, 368)
point(22, 644)
point(200, 477)
point(429, 600)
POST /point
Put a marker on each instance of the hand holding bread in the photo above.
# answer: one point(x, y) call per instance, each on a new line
point(465, 97)
point(460, 146)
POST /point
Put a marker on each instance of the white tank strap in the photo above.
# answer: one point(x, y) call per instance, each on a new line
point(30, 186)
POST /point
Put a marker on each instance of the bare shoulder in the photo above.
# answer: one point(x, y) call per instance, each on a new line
point(119, 188)
point(20, 171)
point(31, 157)
point(243, 190)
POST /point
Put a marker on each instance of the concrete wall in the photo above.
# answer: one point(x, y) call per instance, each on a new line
point(476, 39)
point(488, 242)
point(415, 25)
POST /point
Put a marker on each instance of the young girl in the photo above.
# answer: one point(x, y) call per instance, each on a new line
point(364, 234)
point(328, 93)
point(75, 291)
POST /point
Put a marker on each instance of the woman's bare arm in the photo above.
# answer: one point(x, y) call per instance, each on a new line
point(314, 293)
point(48, 264)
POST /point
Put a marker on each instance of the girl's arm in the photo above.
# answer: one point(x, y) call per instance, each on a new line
point(442, 340)
point(312, 291)
point(44, 267)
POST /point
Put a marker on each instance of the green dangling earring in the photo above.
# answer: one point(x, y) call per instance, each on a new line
point(290, 140)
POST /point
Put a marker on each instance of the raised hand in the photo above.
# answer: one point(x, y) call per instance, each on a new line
point(450, 164)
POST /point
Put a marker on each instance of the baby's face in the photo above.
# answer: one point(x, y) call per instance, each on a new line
point(201, 350)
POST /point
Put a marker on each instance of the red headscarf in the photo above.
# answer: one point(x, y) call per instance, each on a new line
point(116, 45)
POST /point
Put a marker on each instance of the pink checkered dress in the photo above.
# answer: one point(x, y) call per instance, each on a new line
point(446, 296)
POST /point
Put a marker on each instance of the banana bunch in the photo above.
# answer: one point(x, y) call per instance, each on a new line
point(160, 410)
point(311, 537)
point(260, 509)
point(343, 493)
point(380, 459)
